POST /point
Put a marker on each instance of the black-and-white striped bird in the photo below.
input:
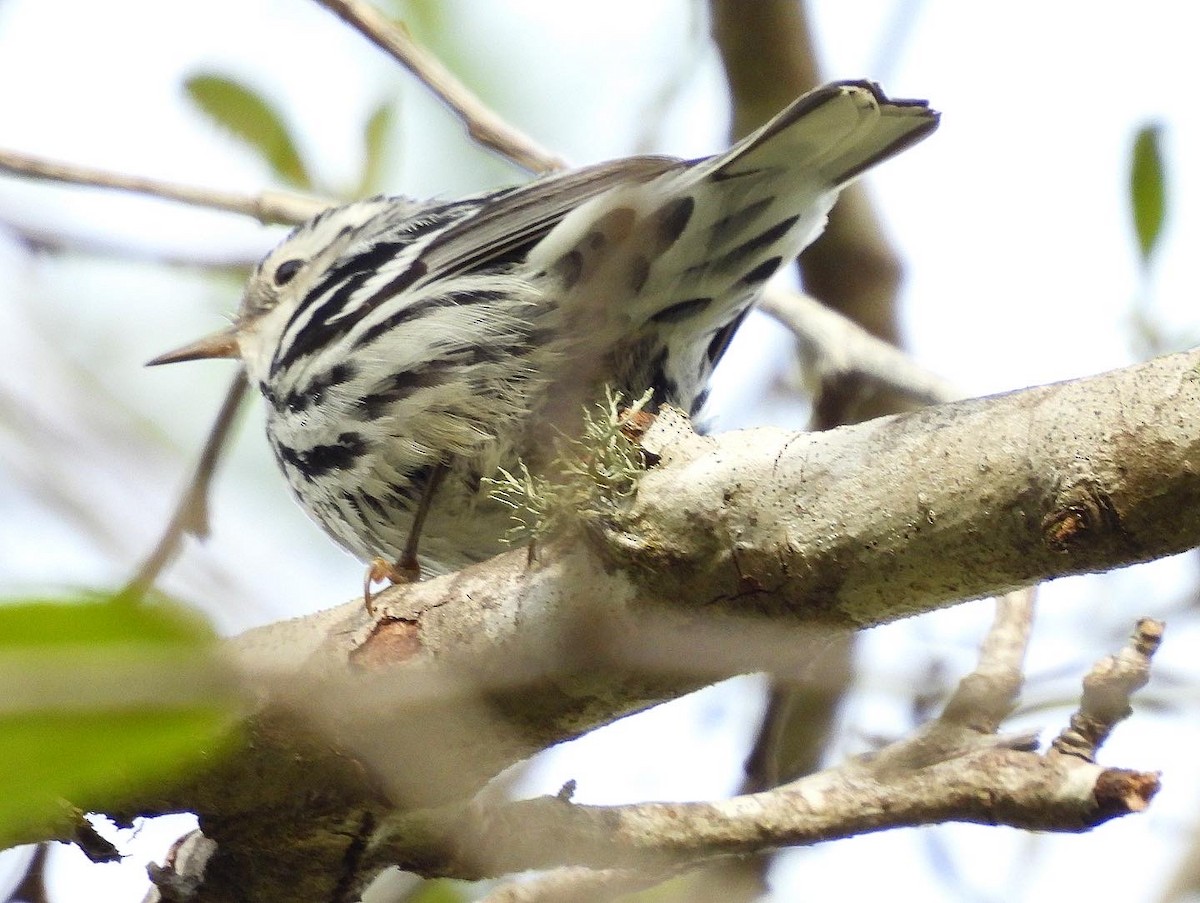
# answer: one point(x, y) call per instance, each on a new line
point(407, 350)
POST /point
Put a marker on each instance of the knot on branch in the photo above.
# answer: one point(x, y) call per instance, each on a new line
point(1084, 514)
point(393, 640)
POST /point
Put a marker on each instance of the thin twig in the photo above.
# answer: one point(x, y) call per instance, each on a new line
point(989, 782)
point(191, 512)
point(483, 125)
point(986, 696)
point(983, 699)
point(267, 207)
point(1106, 691)
point(40, 240)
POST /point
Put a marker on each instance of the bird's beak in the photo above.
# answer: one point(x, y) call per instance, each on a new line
point(219, 344)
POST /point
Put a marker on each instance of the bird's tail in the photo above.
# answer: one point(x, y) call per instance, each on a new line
point(656, 273)
point(839, 130)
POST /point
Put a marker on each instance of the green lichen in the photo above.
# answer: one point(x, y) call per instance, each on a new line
point(592, 477)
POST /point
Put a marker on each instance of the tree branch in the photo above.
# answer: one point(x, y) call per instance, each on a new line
point(191, 511)
point(987, 696)
point(1106, 692)
point(992, 786)
point(973, 776)
point(483, 125)
point(867, 523)
point(267, 207)
point(836, 530)
point(836, 349)
point(843, 529)
point(948, 771)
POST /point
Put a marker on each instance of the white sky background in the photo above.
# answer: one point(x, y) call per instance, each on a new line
point(1021, 270)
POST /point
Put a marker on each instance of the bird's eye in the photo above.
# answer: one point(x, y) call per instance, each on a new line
point(286, 271)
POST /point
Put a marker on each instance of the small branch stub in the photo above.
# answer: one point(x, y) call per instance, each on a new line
point(1107, 689)
point(1120, 791)
point(1083, 518)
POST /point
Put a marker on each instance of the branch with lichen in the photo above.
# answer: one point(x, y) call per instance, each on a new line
point(593, 476)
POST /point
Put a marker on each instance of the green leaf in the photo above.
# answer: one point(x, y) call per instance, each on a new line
point(375, 136)
point(250, 117)
point(1147, 189)
point(98, 698)
point(439, 890)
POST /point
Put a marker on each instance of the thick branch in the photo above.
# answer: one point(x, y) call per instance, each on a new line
point(868, 523)
point(848, 528)
point(952, 769)
point(843, 529)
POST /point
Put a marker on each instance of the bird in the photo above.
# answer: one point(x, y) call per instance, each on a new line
point(406, 351)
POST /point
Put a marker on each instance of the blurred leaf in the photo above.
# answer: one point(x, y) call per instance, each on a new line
point(250, 117)
point(1147, 189)
point(424, 17)
point(440, 890)
point(98, 697)
point(375, 136)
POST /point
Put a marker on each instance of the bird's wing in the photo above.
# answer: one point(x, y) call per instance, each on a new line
point(507, 226)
